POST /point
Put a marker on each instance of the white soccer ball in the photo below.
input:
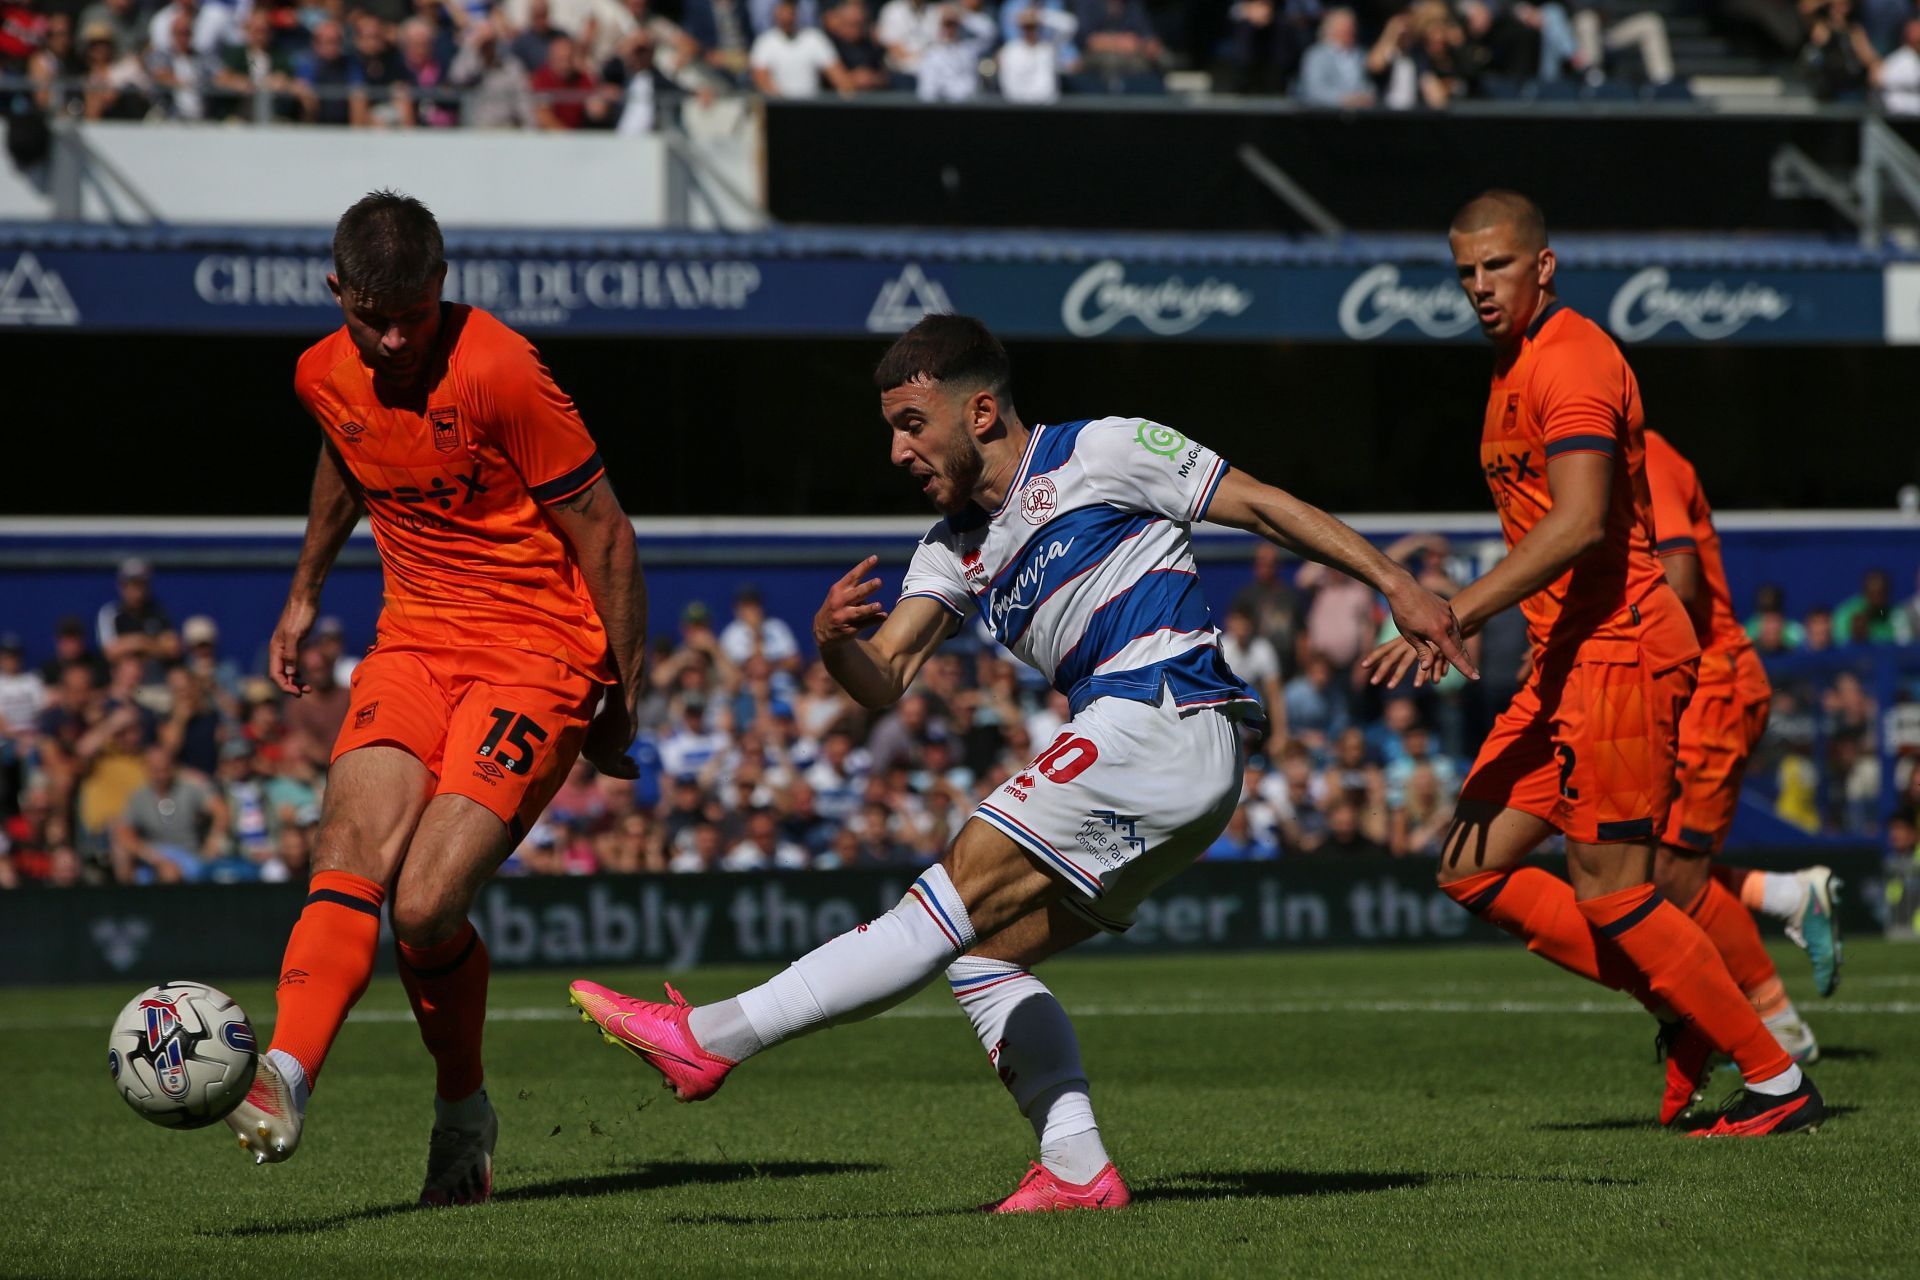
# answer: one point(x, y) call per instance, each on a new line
point(182, 1054)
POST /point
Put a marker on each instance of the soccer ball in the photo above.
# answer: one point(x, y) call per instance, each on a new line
point(182, 1054)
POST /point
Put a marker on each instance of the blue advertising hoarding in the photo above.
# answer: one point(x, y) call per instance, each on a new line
point(1025, 287)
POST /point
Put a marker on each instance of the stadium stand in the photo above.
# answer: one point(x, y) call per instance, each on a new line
point(137, 747)
point(602, 64)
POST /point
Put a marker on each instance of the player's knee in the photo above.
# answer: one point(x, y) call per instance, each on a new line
point(426, 918)
point(1678, 875)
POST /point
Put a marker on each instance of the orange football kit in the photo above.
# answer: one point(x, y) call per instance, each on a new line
point(490, 657)
point(1590, 743)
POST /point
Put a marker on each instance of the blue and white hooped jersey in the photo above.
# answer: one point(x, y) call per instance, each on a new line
point(1086, 571)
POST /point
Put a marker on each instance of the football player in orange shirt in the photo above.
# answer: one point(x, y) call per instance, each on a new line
point(1587, 747)
point(510, 642)
point(1722, 726)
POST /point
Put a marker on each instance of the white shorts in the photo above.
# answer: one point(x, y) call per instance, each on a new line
point(1125, 797)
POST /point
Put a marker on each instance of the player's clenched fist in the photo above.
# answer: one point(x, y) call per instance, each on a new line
point(849, 607)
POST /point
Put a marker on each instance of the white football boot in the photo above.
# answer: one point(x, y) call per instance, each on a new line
point(269, 1119)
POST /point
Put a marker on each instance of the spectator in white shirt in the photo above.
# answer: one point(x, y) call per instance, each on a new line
point(950, 66)
point(1252, 657)
point(906, 28)
point(1030, 63)
point(752, 631)
point(214, 25)
point(788, 59)
point(764, 848)
point(23, 695)
point(1333, 71)
point(1898, 76)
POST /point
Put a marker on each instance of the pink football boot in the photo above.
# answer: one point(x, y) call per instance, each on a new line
point(657, 1034)
point(1041, 1192)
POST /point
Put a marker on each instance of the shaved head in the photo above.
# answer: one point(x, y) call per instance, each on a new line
point(1501, 208)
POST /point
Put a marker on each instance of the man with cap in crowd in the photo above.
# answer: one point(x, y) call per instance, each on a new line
point(200, 653)
point(134, 622)
point(330, 638)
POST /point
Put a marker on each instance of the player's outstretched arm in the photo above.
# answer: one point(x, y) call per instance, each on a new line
point(1243, 502)
point(602, 540)
point(332, 511)
point(1580, 485)
point(877, 670)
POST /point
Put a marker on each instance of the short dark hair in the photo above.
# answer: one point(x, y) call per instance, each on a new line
point(950, 349)
point(387, 247)
point(1501, 207)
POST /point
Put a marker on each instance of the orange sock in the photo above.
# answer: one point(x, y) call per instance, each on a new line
point(1744, 883)
point(1540, 910)
point(447, 984)
point(328, 962)
point(1733, 934)
point(1686, 973)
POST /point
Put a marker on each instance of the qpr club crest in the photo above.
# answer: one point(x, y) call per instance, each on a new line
point(1038, 500)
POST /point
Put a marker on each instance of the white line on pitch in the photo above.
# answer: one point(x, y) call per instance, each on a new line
point(1096, 1009)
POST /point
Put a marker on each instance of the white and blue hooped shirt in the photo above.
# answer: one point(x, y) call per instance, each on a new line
point(1086, 571)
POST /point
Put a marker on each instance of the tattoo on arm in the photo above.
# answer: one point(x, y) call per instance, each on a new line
point(580, 503)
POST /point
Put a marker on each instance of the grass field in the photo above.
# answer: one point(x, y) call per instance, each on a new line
point(1462, 1112)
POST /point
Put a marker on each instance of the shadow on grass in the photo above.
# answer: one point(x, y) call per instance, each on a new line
point(1626, 1123)
point(1847, 1053)
point(1267, 1184)
point(1211, 1185)
point(648, 1177)
point(1609, 1125)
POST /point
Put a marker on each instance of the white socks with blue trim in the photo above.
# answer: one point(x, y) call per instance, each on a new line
point(1031, 1043)
point(856, 975)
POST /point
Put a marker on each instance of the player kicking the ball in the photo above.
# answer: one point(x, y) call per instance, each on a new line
point(1589, 746)
point(1072, 541)
point(514, 606)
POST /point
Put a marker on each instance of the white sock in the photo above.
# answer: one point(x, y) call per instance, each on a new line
point(469, 1112)
point(1782, 894)
point(723, 1030)
point(294, 1074)
point(1786, 1017)
point(858, 974)
point(1031, 1043)
point(1777, 1086)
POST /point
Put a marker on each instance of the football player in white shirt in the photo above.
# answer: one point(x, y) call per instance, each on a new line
point(1072, 541)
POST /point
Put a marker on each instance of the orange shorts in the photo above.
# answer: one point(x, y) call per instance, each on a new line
point(497, 726)
point(1722, 726)
point(1589, 744)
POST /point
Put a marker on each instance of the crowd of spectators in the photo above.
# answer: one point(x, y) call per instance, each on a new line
point(1834, 721)
point(139, 751)
point(622, 64)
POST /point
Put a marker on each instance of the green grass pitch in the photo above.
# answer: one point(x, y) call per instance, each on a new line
point(1466, 1112)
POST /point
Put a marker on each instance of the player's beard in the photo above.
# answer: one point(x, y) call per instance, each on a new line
point(960, 474)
